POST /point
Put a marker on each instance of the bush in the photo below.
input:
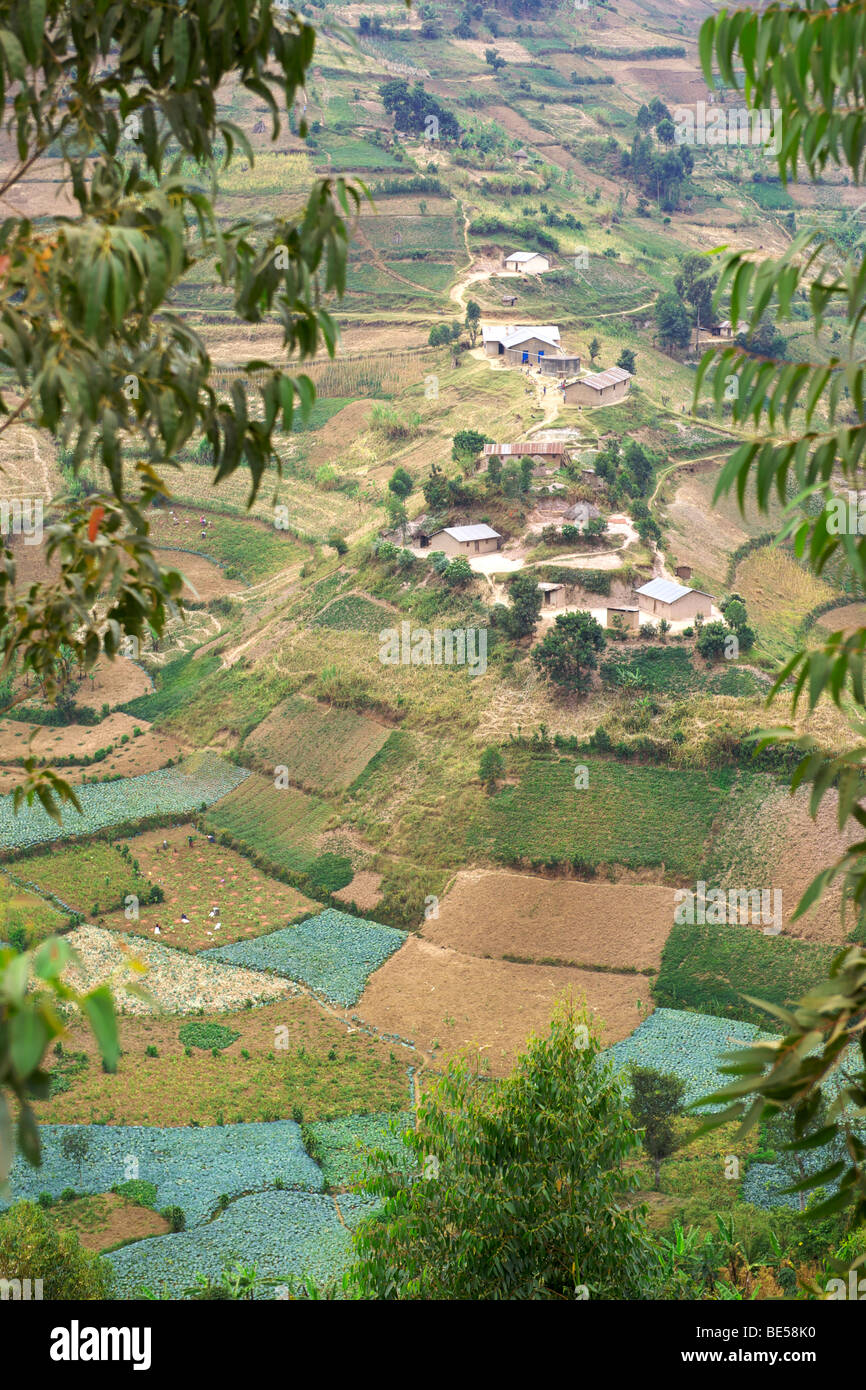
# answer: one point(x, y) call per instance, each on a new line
point(175, 1218)
point(31, 1247)
point(137, 1190)
point(207, 1036)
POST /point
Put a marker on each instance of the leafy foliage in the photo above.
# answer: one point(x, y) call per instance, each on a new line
point(519, 1185)
point(124, 98)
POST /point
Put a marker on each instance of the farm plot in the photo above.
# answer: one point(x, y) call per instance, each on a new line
point(691, 1045)
point(333, 953)
point(340, 1146)
point(281, 1233)
point(175, 982)
point(441, 999)
point(517, 916)
point(322, 748)
point(24, 917)
point(769, 838)
point(202, 579)
point(640, 817)
point(673, 671)
point(119, 744)
point(89, 879)
point(200, 780)
point(224, 897)
point(280, 824)
point(354, 613)
point(711, 968)
point(190, 1166)
point(233, 549)
point(290, 1058)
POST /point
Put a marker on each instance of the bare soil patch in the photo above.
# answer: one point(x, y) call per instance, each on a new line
point(203, 580)
point(364, 891)
point(142, 753)
point(847, 619)
point(496, 913)
point(431, 994)
point(107, 1219)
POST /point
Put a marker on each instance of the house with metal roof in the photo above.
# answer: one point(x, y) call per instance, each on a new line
point(664, 598)
point(597, 388)
point(520, 342)
point(478, 539)
point(527, 262)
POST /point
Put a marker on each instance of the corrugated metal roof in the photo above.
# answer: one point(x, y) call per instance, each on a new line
point(544, 448)
point(611, 377)
point(500, 332)
point(478, 532)
point(524, 256)
point(545, 334)
point(665, 590)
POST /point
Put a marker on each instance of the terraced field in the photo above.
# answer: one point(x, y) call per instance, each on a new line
point(280, 824)
point(322, 748)
point(202, 779)
point(639, 817)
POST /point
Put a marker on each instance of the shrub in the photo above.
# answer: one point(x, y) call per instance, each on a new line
point(137, 1190)
point(175, 1218)
point(208, 1036)
point(31, 1247)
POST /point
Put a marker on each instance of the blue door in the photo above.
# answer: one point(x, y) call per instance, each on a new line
point(525, 357)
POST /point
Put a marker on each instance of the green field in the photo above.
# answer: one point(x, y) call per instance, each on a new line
point(90, 878)
point(280, 824)
point(354, 614)
point(640, 817)
point(710, 969)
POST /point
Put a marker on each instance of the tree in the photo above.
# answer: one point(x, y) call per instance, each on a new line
point(31, 1247)
point(491, 767)
point(398, 517)
point(122, 98)
point(435, 489)
point(712, 641)
point(523, 612)
point(511, 1189)
point(644, 118)
point(568, 653)
point(459, 573)
point(594, 349)
point(473, 318)
point(763, 340)
point(468, 443)
point(439, 334)
point(695, 283)
point(666, 132)
point(794, 1073)
point(493, 59)
point(672, 320)
point(527, 468)
point(626, 360)
point(656, 1099)
point(75, 1146)
point(639, 464)
point(494, 469)
point(401, 483)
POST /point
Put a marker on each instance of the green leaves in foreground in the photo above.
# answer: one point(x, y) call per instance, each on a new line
point(787, 1074)
point(31, 992)
point(124, 98)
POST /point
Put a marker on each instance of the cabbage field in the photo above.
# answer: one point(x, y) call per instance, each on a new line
point(333, 953)
point(200, 780)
